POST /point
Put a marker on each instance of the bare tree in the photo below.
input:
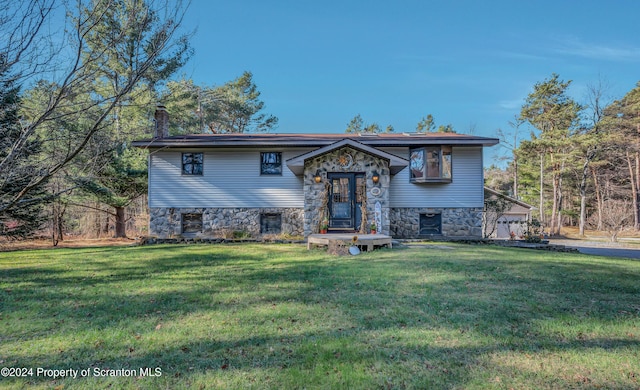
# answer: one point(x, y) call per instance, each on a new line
point(590, 142)
point(617, 215)
point(512, 146)
point(98, 34)
point(24, 44)
point(495, 207)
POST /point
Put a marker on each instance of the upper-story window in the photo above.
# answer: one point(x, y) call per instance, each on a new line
point(271, 163)
point(192, 163)
point(430, 164)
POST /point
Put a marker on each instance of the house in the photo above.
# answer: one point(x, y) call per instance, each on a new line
point(505, 215)
point(409, 185)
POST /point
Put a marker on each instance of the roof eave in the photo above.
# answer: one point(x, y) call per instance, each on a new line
point(510, 199)
point(200, 143)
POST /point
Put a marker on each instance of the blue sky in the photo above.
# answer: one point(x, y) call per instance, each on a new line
point(468, 63)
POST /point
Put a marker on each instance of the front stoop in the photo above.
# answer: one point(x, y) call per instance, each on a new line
point(370, 241)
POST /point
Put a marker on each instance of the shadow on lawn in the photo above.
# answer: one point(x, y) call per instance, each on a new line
point(371, 303)
point(103, 271)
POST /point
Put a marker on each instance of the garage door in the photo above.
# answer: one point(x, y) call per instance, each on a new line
point(511, 223)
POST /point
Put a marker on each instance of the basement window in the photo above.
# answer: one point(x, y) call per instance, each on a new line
point(191, 223)
point(430, 224)
point(270, 223)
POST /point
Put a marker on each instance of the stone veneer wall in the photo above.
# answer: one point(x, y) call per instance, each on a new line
point(401, 222)
point(329, 163)
point(456, 222)
point(167, 222)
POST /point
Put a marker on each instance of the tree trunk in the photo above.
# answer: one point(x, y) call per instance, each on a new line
point(57, 216)
point(554, 205)
point(634, 191)
point(120, 223)
point(583, 209)
point(54, 224)
point(60, 222)
point(636, 210)
point(560, 222)
point(97, 224)
point(515, 177)
point(583, 196)
point(596, 184)
point(559, 208)
point(591, 154)
point(542, 189)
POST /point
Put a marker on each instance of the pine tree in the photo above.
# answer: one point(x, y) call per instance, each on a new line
point(121, 180)
point(551, 111)
point(356, 125)
point(622, 117)
point(23, 218)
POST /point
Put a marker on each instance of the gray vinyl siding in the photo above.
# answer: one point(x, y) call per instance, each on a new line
point(465, 190)
point(231, 178)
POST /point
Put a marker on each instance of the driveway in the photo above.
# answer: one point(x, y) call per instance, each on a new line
point(600, 248)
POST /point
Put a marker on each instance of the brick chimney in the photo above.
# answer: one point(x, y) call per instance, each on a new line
point(162, 122)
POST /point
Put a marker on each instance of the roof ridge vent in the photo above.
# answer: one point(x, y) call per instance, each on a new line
point(368, 134)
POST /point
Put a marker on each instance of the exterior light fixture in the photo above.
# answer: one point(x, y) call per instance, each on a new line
point(317, 177)
point(375, 177)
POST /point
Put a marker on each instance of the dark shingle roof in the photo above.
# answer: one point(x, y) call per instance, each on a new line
point(268, 139)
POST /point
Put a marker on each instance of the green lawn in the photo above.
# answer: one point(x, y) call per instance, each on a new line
point(279, 316)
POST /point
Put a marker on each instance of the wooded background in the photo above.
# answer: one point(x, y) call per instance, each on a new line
point(73, 98)
point(579, 164)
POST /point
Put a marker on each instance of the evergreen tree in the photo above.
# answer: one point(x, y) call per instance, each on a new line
point(122, 179)
point(121, 176)
point(357, 126)
point(551, 111)
point(22, 218)
point(448, 128)
point(622, 118)
point(234, 107)
point(428, 125)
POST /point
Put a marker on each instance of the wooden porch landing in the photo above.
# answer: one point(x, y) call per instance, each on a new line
point(364, 240)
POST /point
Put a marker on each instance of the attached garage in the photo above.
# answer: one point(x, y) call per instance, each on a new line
point(504, 216)
point(507, 224)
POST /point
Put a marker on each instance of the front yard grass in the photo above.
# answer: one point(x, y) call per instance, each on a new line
point(279, 316)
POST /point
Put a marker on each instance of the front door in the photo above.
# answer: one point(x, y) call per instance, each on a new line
point(345, 198)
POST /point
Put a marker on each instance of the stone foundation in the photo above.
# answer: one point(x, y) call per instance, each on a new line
point(167, 222)
point(456, 222)
point(404, 223)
